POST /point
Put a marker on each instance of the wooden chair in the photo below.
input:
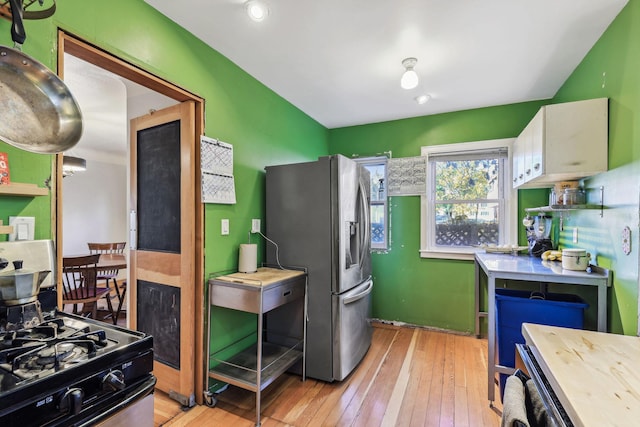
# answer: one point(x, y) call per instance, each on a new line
point(111, 274)
point(80, 285)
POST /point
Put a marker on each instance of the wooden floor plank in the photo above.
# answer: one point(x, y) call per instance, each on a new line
point(447, 402)
point(461, 402)
point(436, 353)
point(352, 391)
point(371, 412)
point(433, 377)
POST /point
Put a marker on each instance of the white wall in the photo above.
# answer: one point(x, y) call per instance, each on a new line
point(94, 206)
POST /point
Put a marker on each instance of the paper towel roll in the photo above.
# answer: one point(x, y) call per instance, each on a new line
point(248, 260)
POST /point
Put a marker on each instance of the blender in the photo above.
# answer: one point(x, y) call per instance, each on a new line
point(538, 234)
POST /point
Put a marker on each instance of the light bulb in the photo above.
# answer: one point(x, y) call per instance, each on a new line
point(409, 79)
point(257, 11)
point(422, 99)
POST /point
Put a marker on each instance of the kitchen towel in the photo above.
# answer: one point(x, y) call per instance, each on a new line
point(536, 411)
point(248, 259)
point(514, 411)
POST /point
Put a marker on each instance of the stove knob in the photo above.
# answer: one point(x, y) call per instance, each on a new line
point(71, 401)
point(113, 381)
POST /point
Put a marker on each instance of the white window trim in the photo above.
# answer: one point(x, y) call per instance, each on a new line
point(511, 199)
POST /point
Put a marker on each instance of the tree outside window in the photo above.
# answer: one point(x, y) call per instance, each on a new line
point(466, 202)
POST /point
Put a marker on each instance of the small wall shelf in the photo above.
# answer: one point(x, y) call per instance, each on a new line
point(567, 208)
point(25, 190)
point(6, 229)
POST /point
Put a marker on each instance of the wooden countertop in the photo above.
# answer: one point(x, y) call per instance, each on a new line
point(595, 375)
point(263, 277)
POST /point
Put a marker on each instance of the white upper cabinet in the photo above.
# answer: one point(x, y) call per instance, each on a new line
point(563, 142)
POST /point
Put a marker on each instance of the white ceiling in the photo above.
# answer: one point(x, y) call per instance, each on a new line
point(107, 102)
point(340, 61)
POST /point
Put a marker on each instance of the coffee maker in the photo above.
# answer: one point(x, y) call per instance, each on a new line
point(538, 233)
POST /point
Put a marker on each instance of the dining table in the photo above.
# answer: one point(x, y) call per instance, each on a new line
point(112, 262)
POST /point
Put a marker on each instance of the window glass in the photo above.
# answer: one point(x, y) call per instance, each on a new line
point(468, 200)
point(377, 167)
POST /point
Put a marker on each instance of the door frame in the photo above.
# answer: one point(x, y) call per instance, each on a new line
point(68, 43)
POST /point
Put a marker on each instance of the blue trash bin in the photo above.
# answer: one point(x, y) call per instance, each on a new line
point(514, 307)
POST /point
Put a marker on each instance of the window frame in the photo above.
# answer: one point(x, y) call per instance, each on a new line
point(377, 160)
point(508, 227)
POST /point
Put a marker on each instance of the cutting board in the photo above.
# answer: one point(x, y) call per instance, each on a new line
point(264, 276)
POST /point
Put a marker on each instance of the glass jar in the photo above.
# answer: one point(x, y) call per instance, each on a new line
point(574, 196)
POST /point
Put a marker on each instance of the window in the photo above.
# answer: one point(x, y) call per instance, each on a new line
point(469, 200)
point(377, 167)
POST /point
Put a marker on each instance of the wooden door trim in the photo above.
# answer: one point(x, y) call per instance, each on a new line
point(68, 43)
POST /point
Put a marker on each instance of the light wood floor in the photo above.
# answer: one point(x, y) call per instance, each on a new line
point(410, 377)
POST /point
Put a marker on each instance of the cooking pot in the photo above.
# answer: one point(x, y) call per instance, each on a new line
point(575, 259)
point(20, 286)
point(38, 112)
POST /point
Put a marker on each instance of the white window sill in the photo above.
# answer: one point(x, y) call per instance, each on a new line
point(459, 255)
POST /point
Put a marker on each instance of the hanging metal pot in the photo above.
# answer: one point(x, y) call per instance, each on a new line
point(39, 113)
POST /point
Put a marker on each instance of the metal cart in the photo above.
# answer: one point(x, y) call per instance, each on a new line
point(268, 292)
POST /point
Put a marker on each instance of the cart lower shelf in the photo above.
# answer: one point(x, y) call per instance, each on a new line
point(241, 369)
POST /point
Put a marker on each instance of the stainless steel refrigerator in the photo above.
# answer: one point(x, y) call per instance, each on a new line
point(318, 215)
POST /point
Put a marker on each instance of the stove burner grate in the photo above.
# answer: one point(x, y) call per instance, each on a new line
point(48, 347)
point(16, 317)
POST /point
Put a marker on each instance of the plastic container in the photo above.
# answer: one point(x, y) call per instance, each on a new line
point(514, 307)
point(575, 259)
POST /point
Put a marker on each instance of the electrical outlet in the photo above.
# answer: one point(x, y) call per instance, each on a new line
point(224, 227)
point(255, 225)
point(575, 235)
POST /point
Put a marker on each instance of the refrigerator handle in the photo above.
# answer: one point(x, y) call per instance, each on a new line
point(366, 231)
point(360, 295)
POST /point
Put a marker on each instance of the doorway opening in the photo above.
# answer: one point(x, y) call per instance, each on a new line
point(112, 172)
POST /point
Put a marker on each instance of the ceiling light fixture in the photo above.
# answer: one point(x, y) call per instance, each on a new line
point(257, 10)
point(422, 99)
point(409, 79)
point(71, 165)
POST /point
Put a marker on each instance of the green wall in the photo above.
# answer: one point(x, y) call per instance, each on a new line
point(34, 169)
point(612, 69)
point(263, 128)
point(408, 288)
point(440, 293)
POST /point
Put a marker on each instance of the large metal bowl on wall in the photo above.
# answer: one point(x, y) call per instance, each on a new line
point(39, 113)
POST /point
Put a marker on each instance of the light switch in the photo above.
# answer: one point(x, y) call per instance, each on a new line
point(224, 227)
point(23, 227)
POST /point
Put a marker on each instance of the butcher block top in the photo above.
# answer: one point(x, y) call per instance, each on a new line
point(595, 375)
point(263, 277)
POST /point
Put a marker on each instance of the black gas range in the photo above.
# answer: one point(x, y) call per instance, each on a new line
point(66, 370)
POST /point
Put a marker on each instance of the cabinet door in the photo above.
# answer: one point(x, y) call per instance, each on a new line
point(527, 163)
point(536, 145)
point(576, 138)
point(518, 161)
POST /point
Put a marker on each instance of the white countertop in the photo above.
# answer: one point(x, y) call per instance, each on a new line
point(527, 265)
